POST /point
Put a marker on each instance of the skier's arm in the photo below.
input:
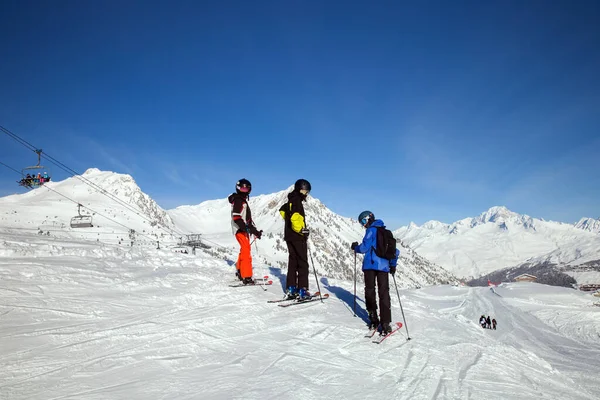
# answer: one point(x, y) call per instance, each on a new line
point(238, 205)
point(367, 242)
point(394, 262)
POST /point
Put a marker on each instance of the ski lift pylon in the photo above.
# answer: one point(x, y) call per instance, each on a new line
point(81, 221)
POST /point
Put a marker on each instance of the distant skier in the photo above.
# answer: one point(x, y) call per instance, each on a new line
point(376, 272)
point(494, 324)
point(243, 226)
point(296, 237)
point(488, 322)
point(482, 321)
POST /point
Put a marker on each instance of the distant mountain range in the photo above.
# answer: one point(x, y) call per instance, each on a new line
point(499, 238)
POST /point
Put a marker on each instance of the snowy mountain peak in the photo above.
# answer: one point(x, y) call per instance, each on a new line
point(496, 214)
point(91, 171)
point(432, 225)
point(330, 238)
point(114, 199)
point(500, 238)
point(589, 224)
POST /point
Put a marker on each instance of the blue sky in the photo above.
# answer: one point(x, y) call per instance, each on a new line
point(416, 111)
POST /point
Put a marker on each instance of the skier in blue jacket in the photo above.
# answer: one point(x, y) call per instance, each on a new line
point(376, 271)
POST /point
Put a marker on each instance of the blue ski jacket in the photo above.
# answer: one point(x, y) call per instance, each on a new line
point(367, 247)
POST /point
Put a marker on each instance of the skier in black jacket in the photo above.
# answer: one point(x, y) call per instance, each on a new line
point(296, 236)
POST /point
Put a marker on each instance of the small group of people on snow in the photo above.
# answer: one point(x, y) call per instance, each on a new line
point(376, 269)
point(487, 323)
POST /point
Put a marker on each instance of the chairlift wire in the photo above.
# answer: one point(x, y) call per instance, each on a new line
point(75, 174)
point(9, 167)
point(100, 214)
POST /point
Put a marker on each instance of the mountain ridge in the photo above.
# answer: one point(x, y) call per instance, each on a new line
point(500, 238)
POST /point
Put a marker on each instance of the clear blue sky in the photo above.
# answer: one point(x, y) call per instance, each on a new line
point(416, 111)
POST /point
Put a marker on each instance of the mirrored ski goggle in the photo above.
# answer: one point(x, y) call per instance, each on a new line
point(244, 189)
point(364, 221)
point(304, 191)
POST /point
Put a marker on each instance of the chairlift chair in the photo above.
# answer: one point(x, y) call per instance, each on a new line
point(81, 221)
point(33, 171)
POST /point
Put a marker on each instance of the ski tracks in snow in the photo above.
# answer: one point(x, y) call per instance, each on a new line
point(169, 327)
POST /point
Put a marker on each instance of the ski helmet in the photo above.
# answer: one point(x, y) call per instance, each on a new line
point(302, 184)
point(243, 186)
point(366, 218)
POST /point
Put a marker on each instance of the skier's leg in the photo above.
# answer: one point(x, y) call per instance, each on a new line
point(291, 279)
point(370, 299)
point(383, 289)
point(303, 269)
point(245, 257)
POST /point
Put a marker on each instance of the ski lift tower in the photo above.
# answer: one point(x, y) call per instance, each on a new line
point(194, 241)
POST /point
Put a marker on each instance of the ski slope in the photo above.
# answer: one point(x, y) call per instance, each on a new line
point(94, 321)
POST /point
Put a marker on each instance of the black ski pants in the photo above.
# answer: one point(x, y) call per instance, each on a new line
point(297, 274)
point(382, 279)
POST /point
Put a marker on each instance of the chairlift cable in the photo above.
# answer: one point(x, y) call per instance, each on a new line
point(9, 167)
point(96, 212)
point(84, 180)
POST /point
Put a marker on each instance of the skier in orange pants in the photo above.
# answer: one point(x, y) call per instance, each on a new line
point(243, 226)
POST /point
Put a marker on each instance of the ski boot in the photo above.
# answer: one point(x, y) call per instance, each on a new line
point(386, 329)
point(303, 294)
point(373, 321)
point(237, 274)
point(248, 281)
point(291, 293)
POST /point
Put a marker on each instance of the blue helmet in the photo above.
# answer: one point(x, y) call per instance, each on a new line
point(366, 217)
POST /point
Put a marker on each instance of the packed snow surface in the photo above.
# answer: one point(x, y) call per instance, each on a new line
point(94, 321)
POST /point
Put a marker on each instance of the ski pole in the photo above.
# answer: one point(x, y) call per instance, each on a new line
point(256, 247)
point(354, 284)
point(401, 309)
point(314, 270)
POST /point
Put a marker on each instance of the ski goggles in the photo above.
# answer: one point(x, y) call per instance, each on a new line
point(304, 191)
point(364, 221)
point(244, 189)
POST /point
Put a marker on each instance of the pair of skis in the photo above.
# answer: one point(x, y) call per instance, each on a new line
point(264, 281)
point(382, 337)
point(292, 302)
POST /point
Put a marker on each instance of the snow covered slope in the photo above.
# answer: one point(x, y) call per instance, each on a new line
point(48, 210)
point(330, 239)
point(500, 238)
point(93, 321)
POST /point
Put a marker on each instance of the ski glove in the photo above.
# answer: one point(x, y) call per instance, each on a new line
point(354, 245)
point(392, 270)
point(305, 232)
point(253, 231)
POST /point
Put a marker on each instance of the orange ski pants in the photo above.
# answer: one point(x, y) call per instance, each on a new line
point(244, 262)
